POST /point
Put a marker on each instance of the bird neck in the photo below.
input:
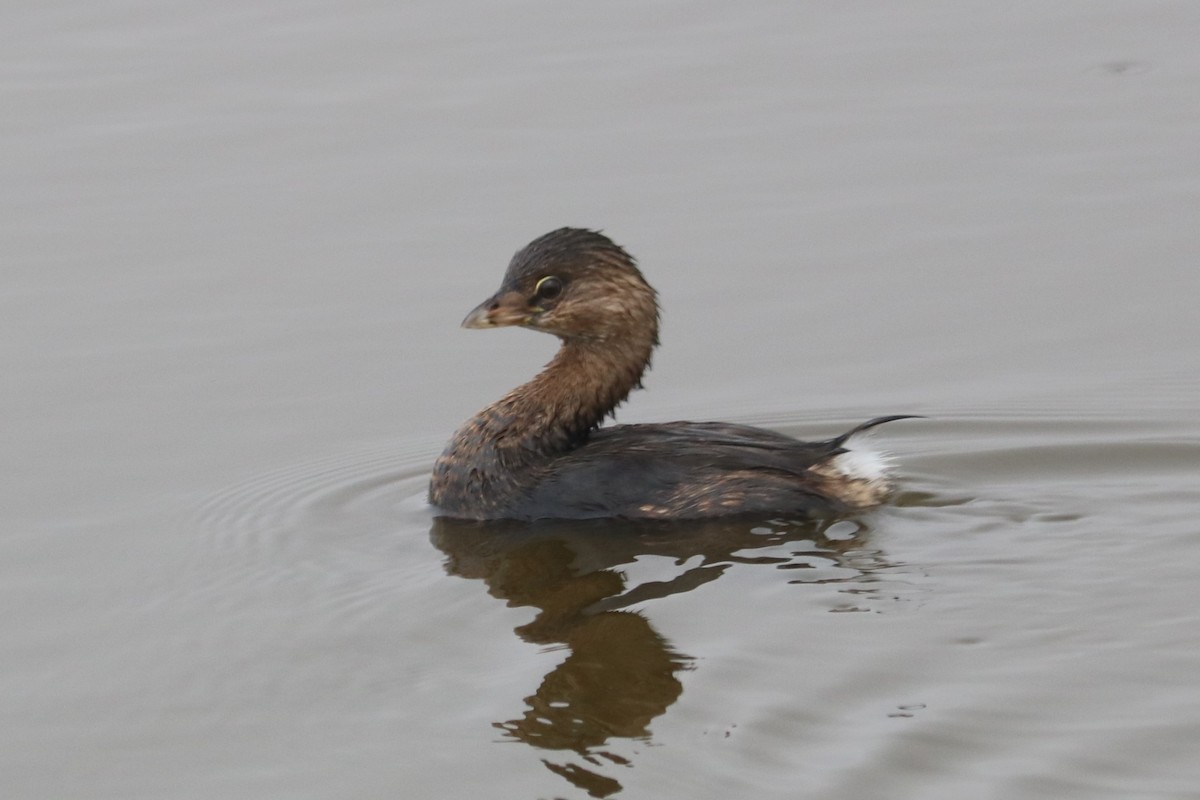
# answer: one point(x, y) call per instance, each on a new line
point(584, 382)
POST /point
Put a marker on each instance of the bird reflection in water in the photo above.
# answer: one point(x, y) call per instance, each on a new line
point(620, 673)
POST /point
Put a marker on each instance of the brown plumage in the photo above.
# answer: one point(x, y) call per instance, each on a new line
point(539, 451)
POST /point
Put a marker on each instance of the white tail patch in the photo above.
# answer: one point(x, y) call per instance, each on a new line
point(862, 461)
point(858, 477)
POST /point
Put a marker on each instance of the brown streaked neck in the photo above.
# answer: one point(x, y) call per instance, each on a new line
point(582, 384)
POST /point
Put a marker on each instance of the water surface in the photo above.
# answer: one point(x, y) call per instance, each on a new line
point(239, 239)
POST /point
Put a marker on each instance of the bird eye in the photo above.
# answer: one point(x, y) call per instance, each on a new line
point(548, 288)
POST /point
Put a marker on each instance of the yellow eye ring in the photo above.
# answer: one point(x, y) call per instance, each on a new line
point(548, 288)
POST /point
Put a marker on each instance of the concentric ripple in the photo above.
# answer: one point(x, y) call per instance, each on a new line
point(336, 517)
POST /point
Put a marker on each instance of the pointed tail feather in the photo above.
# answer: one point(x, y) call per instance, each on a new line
point(836, 444)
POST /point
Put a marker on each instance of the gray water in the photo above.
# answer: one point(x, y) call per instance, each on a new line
point(237, 242)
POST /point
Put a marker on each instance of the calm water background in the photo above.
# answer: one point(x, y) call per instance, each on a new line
point(237, 242)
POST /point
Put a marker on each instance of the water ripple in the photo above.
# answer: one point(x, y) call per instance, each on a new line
point(329, 528)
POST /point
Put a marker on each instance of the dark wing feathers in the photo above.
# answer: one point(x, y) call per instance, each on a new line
point(683, 469)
